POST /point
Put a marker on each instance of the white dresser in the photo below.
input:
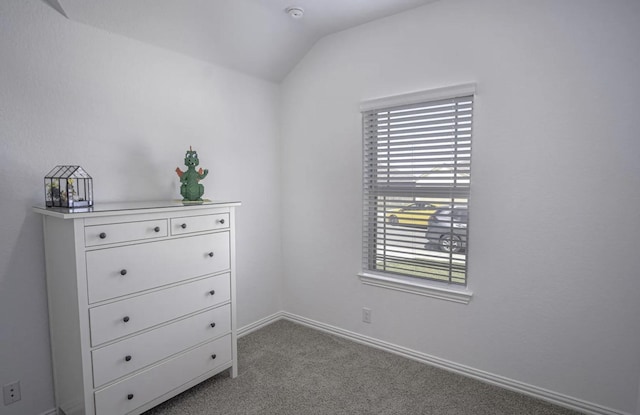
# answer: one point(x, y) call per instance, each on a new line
point(141, 302)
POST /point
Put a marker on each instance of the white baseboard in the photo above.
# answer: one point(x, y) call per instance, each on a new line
point(243, 331)
point(50, 412)
point(501, 381)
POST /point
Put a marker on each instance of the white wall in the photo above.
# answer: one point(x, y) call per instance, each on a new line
point(554, 239)
point(126, 112)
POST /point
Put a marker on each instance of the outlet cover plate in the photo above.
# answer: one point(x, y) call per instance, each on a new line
point(366, 315)
point(11, 392)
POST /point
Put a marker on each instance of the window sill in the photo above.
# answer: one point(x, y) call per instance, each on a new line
point(427, 289)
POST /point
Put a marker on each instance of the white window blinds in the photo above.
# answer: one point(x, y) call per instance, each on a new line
point(417, 176)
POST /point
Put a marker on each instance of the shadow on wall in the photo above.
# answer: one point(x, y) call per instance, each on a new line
point(24, 322)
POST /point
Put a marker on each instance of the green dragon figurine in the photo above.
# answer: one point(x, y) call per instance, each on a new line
point(190, 189)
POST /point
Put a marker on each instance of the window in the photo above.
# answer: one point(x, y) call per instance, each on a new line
point(416, 182)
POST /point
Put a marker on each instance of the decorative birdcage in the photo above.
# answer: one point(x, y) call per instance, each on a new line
point(69, 187)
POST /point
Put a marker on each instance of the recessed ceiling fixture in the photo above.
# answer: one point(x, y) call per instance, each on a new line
point(295, 12)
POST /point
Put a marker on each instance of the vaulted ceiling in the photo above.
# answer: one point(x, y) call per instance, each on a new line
point(257, 37)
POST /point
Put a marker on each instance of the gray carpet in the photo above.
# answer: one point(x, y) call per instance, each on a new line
point(289, 369)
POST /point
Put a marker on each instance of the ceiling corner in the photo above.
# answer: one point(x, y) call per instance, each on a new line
point(55, 4)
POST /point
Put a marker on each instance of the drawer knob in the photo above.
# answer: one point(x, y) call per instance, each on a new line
point(221, 221)
point(123, 272)
point(213, 324)
point(156, 229)
point(210, 254)
point(183, 226)
point(212, 292)
point(130, 396)
point(213, 356)
point(127, 358)
point(126, 319)
point(102, 235)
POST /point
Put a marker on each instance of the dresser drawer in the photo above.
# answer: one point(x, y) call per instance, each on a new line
point(123, 232)
point(131, 393)
point(127, 356)
point(121, 318)
point(191, 224)
point(113, 272)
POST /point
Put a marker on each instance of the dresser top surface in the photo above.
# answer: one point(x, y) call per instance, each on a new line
point(124, 208)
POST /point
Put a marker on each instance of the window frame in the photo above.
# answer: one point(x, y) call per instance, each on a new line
point(415, 285)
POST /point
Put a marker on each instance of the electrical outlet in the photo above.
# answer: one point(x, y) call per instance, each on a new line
point(366, 315)
point(11, 392)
